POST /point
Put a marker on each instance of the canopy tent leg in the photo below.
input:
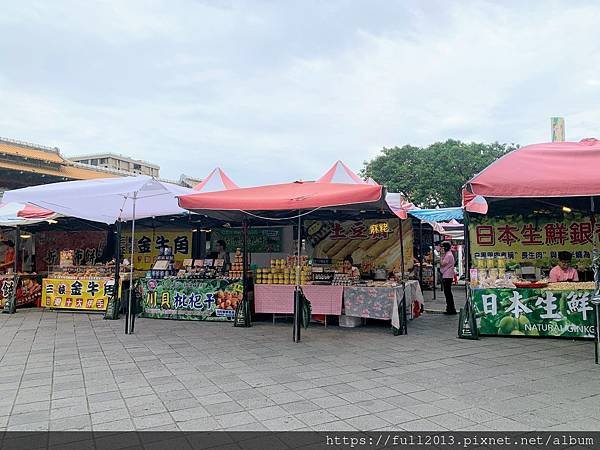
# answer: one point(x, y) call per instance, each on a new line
point(403, 318)
point(242, 313)
point(467, 323)
point(421, 254)
point(10, 306)
point(115, 301)
point(297, 306)
point(596, 296)
point(128, 324)
point(433, 260)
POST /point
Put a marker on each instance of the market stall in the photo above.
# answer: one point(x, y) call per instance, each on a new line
point(107, 201)
point(533, 253)
point(332, 206)
point(20, 285)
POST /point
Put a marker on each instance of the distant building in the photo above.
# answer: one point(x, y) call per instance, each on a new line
point(118, 162)
point(188, 182)
point(24, 164)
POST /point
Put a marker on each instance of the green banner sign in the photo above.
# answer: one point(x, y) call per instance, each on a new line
point(534, 312)
point(260, 240)
point(191, 299)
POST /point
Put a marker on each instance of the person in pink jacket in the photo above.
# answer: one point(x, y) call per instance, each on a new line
point(447, 269)
point(563, 271)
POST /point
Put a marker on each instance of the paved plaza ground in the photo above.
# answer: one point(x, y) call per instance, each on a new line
point(65, 371)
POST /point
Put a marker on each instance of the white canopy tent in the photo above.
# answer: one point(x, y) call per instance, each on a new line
point(106, 200)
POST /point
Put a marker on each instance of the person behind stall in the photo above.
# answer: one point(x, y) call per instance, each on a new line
point(447, 269)
point(9, 256)
point(223, 254)
point(349, 268)
point(563, 270)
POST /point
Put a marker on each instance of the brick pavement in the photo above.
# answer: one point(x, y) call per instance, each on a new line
point(66, 371)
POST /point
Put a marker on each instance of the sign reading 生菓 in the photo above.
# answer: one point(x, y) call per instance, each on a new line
point(80, 294)
point(532, 239)
point(260, 240)
point(191, 299)
point(149, 242)
point(534, 312)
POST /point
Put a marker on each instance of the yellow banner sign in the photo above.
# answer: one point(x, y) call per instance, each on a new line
point(77, 293)
point(371, 243)
point(149, 242)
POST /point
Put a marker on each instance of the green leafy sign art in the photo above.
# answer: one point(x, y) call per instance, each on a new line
point(534, 312)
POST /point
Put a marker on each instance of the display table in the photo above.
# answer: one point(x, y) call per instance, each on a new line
point(189, 299)
point(279, 299)
point(29, 289)
point(382, 302)
point(534, 312)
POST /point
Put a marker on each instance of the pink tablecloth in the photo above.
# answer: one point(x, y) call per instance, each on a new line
point(279, 299)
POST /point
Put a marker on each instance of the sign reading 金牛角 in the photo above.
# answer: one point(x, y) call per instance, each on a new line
point(191, 299)
point(260, 240)
point(534, 312)
point(149, 242)
point(532, 239)
point(82, 294)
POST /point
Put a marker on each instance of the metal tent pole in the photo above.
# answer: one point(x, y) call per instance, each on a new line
point(596, 269)
point(297, 306)
point(433, 259)
point(421, 253)
point(129, 312)
point(13, 295)
point(403, 322)
point(116, 294)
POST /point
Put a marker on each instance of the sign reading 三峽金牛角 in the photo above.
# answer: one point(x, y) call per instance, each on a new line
point(80, 294)
point(534, 312)
point(149, 242)
point(191, 299)
point(533, 239)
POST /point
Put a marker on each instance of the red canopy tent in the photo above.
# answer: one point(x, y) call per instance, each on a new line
point(538, 171)
point(553, 169)
point(300, 195)
point(298, 199)
point(217, 180)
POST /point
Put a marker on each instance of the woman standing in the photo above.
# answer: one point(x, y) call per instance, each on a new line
point(447, 269)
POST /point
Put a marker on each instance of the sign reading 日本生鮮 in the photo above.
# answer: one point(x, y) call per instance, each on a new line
point(529, 239)
point(534, 312)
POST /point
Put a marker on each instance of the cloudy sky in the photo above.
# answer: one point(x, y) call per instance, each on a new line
point(278, 90)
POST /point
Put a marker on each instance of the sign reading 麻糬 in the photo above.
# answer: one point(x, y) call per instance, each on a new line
point(534, 312)
point(191, 299)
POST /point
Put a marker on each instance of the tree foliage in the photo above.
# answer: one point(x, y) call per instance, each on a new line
point(433, 176)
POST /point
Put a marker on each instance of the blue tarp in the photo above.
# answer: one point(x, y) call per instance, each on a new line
point(437, 215)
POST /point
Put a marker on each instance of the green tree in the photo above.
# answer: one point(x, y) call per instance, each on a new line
point(433, 176)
